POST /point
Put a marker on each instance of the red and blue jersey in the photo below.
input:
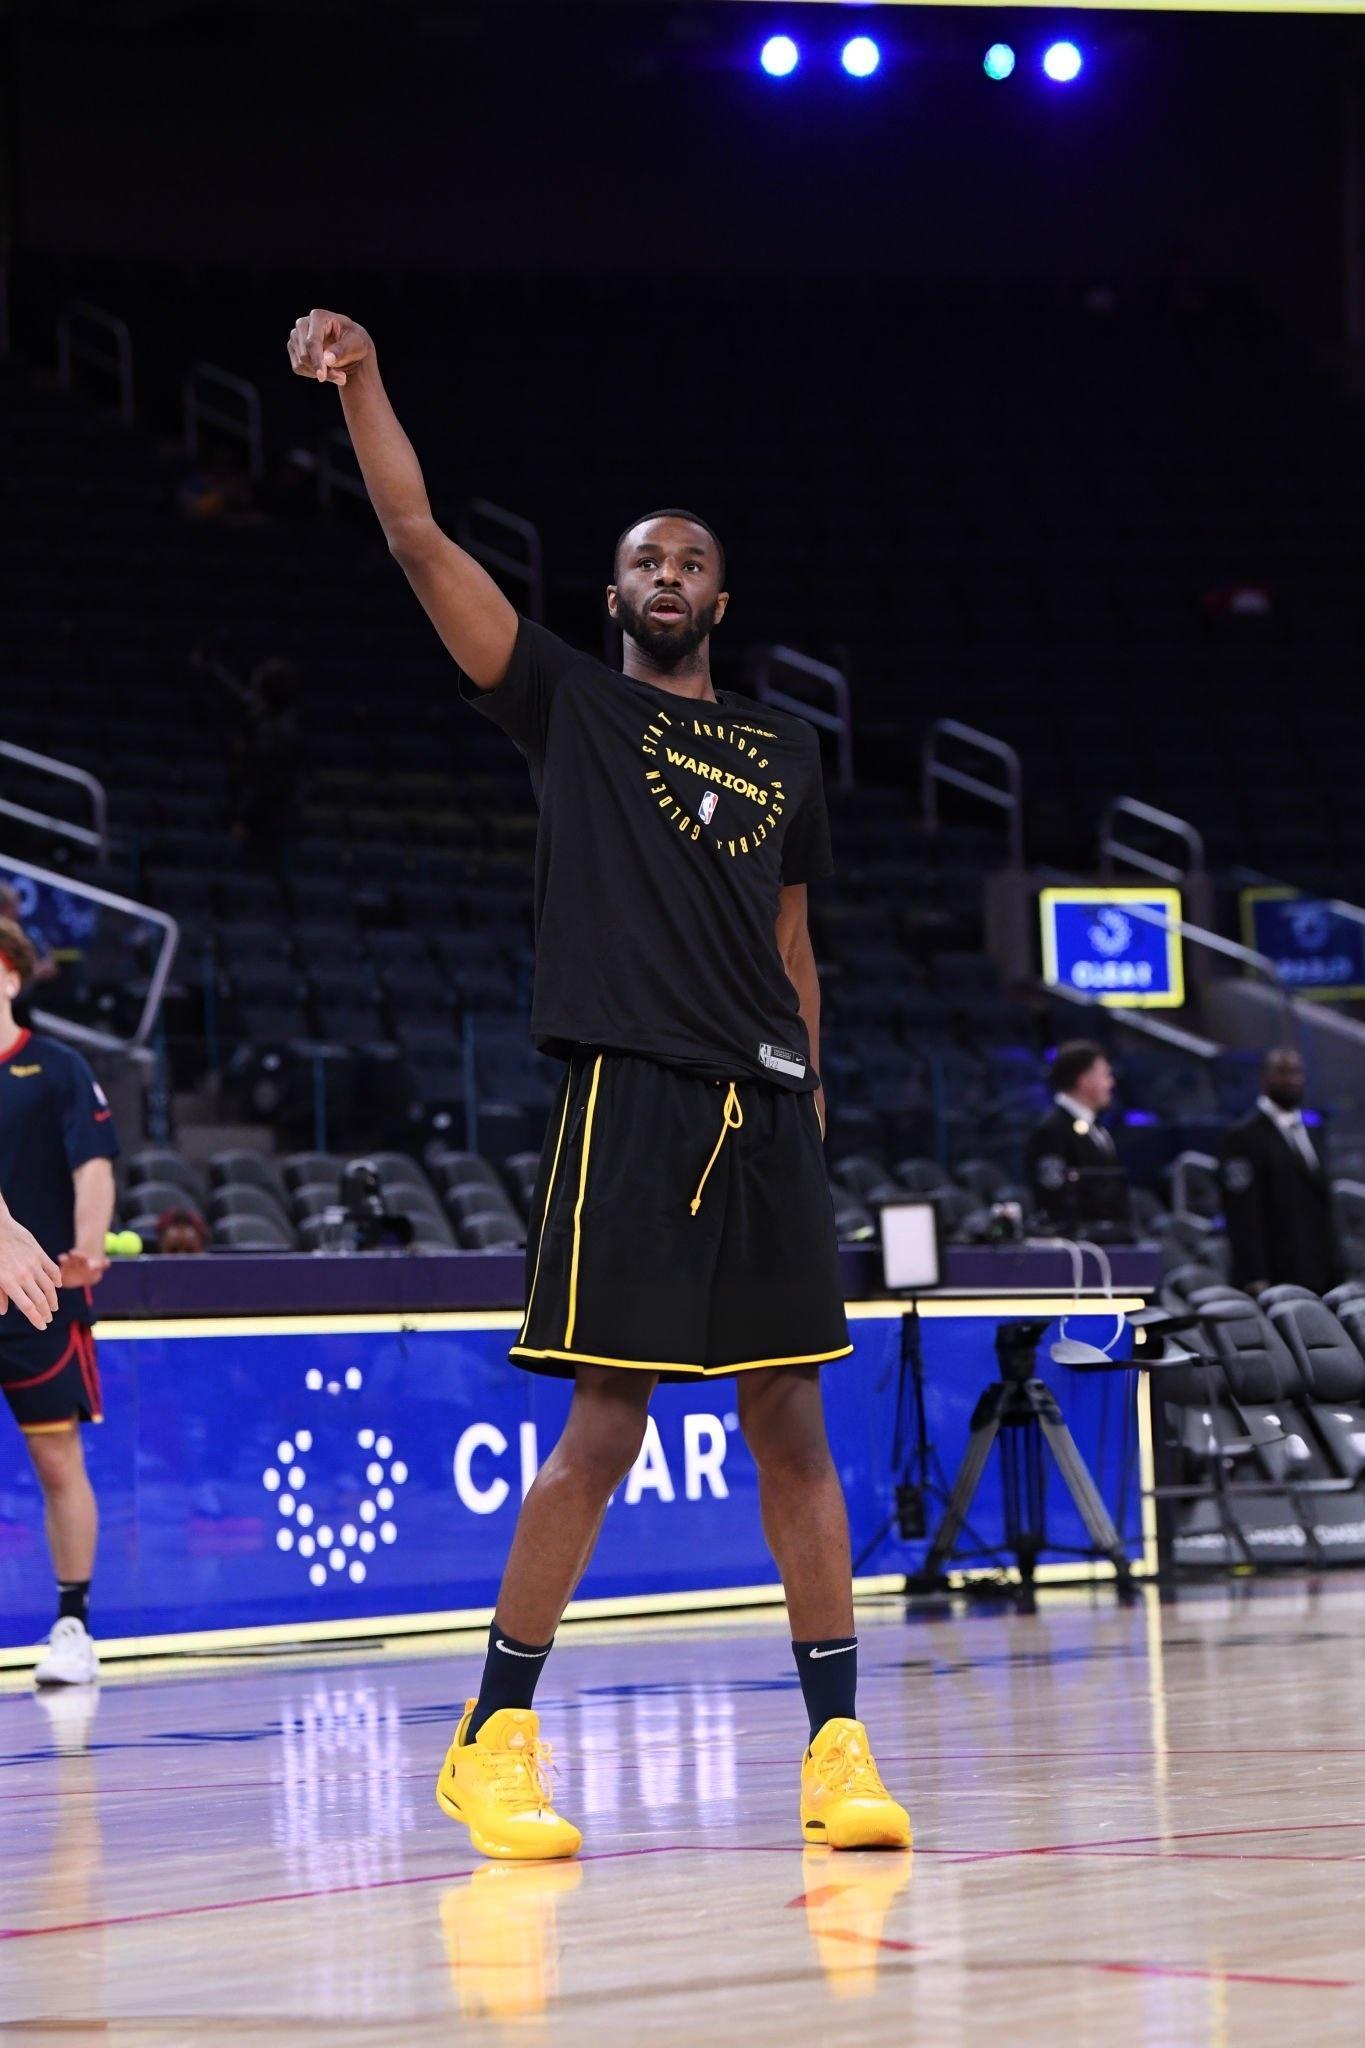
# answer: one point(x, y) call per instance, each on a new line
point(54, 1116)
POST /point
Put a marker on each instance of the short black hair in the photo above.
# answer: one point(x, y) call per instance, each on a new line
point(671, 512)
point(1072, 1060)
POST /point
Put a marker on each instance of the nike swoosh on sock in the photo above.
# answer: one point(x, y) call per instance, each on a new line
point(534, 1655)
point(842, 1651)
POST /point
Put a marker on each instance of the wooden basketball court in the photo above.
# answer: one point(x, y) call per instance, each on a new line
point(1132, 1827)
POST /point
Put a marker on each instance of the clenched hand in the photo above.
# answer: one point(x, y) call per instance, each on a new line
point(325, 345)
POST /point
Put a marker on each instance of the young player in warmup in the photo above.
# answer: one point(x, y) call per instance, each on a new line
point(56, 1144)
point(682, 1225)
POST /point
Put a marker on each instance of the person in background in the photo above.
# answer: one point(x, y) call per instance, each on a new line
point(1070, 1139)
point(57, 1145)
point(1277, 1197)
point(181, 1230)
point(45, 967)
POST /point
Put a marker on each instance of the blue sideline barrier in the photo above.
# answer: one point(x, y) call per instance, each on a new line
point(306, 1475)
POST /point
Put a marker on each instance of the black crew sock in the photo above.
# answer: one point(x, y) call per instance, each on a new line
point(73, 1597)
point(829, 1680)
point(511, 1673)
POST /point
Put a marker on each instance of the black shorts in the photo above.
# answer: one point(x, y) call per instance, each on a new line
point(680, 1226)
point(50, 1377)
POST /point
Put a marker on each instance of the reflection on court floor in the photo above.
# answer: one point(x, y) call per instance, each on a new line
point(1132, 1827)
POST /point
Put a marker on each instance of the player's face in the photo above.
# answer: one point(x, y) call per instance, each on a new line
point(667, 595)
point(10, 983)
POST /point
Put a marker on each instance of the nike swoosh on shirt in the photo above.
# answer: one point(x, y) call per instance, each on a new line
point(842, 1651)
point(508, 1651)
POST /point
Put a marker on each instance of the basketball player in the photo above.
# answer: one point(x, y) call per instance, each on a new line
point(682, 1224)
point(56, 1145)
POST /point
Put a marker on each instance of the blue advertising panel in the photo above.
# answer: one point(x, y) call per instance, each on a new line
point(286, 1473)
point(1121, 947)
point(1318, 948)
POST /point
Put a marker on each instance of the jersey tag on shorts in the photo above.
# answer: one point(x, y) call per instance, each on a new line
point(783, 1062)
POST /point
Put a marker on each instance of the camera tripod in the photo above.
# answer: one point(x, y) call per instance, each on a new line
point(1022, 1407)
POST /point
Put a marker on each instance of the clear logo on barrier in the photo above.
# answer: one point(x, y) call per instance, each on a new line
point(335, 1530)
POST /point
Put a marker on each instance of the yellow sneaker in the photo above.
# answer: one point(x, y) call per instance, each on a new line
point(847, 1900)
point(843, 1800)
point(498, 1786)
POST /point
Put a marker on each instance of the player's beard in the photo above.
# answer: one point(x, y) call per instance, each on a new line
point(666, 646)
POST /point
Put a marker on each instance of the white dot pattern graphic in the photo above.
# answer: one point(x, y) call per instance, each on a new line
point(330, 1552)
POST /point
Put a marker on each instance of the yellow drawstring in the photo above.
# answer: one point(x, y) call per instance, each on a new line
point(728, 1123)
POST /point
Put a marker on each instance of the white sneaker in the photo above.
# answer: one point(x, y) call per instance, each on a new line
point(70, 1658)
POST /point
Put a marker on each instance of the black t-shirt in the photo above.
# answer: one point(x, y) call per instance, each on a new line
point(53, 1117)
point(668, 826)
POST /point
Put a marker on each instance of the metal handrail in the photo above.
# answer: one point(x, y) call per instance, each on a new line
point(117, 362)
point(765, 661)
point(97, 838)
point(1141, 1021)
point(156, 986)
point(333, 476)
point(528, 571)
point(1215, 943)
point(1112, 849)
point(1352, 912)
point(202, 409)
point(1230, 950)
point(1010, 799)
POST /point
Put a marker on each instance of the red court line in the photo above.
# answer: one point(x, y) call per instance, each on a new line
point(1146, 1969)
point(1091, 1963)
point(1225, 1976)
point(1159, 1856)
point(1306, 1827)
point(338, 1891)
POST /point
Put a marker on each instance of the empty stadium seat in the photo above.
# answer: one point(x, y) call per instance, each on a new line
point(153, 1197)
point(252, 1234)
point(245, 1169)
point(492, 1230)
point(156, 1165)
point(1333, 1372)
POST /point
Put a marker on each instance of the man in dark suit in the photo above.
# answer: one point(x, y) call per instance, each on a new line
point(1276, 1194)
point(1070, 1141)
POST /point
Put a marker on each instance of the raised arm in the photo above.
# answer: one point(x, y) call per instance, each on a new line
point(464, 604)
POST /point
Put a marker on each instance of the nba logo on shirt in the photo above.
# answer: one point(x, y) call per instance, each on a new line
point(706, 809)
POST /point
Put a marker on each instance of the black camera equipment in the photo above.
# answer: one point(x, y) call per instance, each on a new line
point(1022, 1412)
point(376, 1227)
